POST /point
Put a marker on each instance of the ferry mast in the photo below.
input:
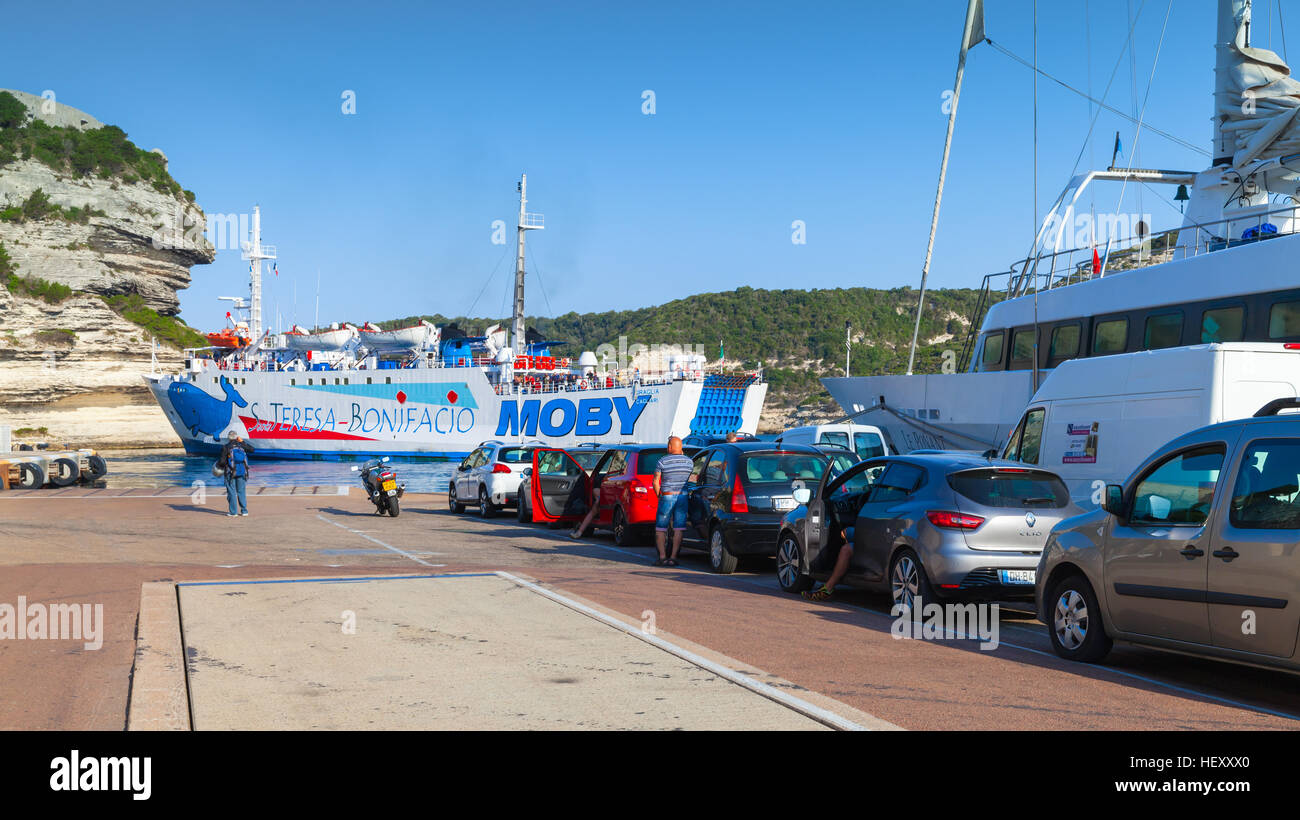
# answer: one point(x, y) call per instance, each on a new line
point(255, 252)
point(527, 222)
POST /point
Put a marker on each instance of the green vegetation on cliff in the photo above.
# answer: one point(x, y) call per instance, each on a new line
point(38, 206)
point(166, 329)
point(797, 336)
point(104, 152)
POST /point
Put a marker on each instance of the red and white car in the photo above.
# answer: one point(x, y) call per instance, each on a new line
point(561, 489)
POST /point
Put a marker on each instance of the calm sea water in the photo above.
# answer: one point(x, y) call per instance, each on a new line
point(173, 468)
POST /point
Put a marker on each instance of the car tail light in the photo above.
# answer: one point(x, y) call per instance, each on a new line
point(739, 503)
point(385, 476)
point(1292, 346)
point(500, 468)
point(954, 521)
point(641, 486)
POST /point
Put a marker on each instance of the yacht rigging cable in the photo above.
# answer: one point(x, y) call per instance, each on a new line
point(1100, 103)
point(1137, 133)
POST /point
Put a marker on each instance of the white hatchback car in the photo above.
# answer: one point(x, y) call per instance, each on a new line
point(489, 477)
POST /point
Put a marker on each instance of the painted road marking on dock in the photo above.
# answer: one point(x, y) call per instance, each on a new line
point(400, 552)
point(803, 707)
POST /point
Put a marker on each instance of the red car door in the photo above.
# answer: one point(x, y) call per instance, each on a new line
point(561, 489)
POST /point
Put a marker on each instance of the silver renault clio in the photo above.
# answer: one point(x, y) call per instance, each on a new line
point(942, 525)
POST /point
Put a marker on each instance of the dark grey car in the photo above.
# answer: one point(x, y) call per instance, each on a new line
point(948, 525)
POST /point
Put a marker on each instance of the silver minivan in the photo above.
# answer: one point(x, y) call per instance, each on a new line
point(1196, 552)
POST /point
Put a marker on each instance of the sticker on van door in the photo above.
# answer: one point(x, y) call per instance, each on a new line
point(1081, 447)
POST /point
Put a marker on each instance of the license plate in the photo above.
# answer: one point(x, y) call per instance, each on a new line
point(783, 504)
point(390, 485)
point(1017, 576)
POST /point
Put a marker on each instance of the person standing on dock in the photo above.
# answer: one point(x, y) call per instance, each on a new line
point(671, 474)
point(234, 460)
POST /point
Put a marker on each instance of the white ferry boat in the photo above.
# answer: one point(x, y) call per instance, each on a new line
point(1227, 274)
point(426, 392)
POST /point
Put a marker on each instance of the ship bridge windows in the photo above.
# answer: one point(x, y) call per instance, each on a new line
point(1065, 343)
point(991, 359)
point(1225, 324)
point(1110, 336)
point(1022, 349)
point(1284, 320)
point(1163, 330)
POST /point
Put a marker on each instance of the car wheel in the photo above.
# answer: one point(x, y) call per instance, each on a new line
point(452, 504)
point(908, 581)
point(625, 535)
point(1074, 621)
point(521, 512)
point(486, 509)
point(789, 572)
point(722, 561)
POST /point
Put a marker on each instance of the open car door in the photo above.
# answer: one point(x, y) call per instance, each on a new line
point(834, 506)
point(561, 488)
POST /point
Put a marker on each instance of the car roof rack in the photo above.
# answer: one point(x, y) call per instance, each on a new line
point(1277, 405)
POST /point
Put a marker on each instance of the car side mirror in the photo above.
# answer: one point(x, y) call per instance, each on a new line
point(1114, 501)
point(803, 495)
point(385, 459)
point(355, 468)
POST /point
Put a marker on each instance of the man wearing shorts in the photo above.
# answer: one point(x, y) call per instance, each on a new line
point(671, 475)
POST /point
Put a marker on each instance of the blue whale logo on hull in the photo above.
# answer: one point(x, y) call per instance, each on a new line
point(201, 413)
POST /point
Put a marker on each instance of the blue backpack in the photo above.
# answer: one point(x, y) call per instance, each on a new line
point(238, 462)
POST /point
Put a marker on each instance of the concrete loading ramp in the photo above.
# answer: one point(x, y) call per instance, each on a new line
point(476, 651)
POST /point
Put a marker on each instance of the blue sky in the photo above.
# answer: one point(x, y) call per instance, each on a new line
point(766, 113)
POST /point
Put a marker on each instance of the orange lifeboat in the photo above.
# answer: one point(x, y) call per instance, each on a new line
point(229, 339)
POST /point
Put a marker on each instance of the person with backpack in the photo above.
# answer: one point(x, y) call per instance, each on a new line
point(234, 461)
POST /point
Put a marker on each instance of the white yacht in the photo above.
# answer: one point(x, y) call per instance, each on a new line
point(1226, 274)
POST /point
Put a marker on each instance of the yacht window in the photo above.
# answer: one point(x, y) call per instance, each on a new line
point(992, 357)
point(1065, 343)
point(1022, 346)
point(1163, 331)
point(1110, 337)
point(1284, 320)
point(1223, 325)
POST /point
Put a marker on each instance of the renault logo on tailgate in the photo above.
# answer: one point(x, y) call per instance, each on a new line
point(1031, 519)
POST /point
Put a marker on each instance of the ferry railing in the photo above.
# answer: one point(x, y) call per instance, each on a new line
point(1077, 265)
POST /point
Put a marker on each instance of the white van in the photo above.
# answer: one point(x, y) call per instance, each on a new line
point(1094, 420)
point(863, 439)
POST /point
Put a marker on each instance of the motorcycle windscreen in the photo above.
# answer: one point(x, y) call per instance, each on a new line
point(560, 487)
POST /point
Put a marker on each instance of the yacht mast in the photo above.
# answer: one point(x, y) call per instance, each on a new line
point(1226, 60)
point(972, 36)
point(527, 222)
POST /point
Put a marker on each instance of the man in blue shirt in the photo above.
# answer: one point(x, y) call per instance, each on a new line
point(671, 475)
